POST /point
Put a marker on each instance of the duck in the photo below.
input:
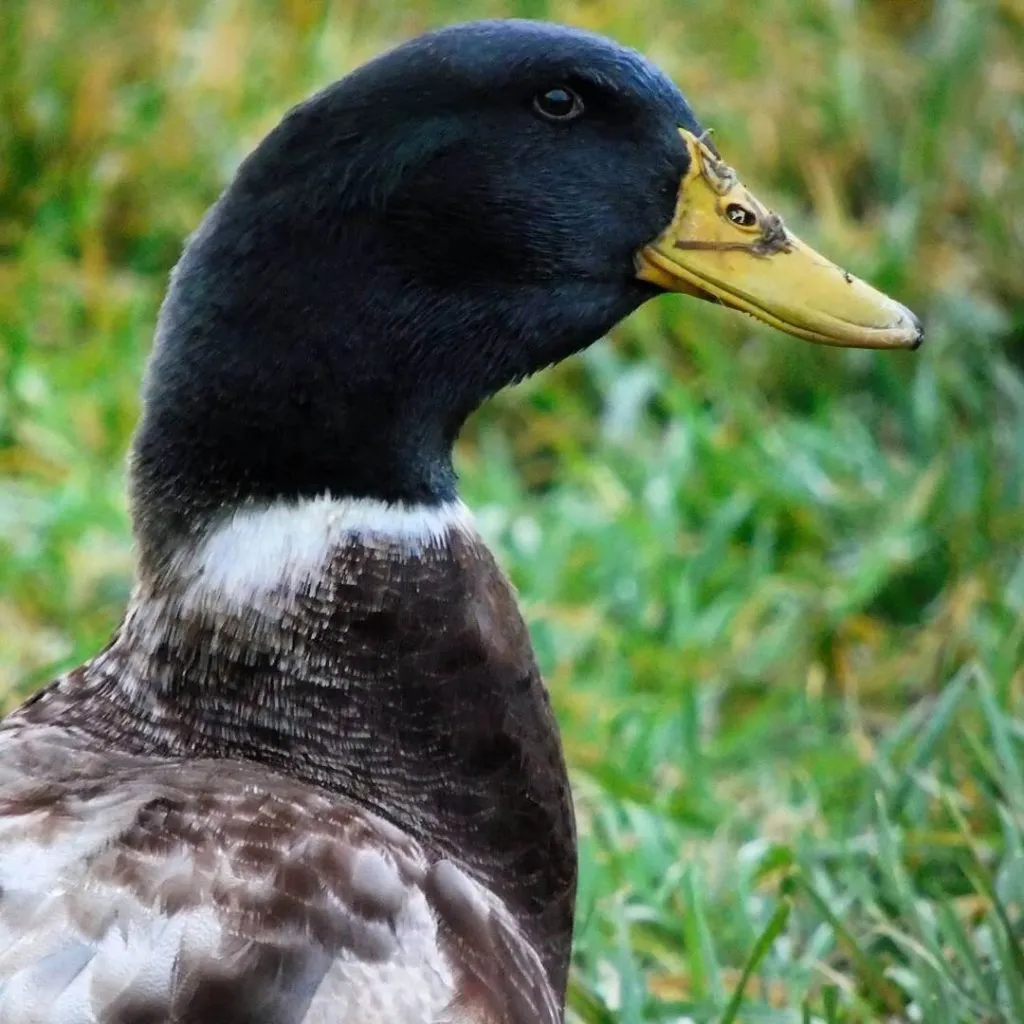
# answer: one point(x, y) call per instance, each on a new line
point(315, 776)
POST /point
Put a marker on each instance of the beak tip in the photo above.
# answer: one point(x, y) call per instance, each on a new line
point(915, 329)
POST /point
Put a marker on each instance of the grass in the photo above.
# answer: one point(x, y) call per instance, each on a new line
point(778, 591)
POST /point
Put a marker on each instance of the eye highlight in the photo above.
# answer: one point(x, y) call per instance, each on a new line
point(558, 104)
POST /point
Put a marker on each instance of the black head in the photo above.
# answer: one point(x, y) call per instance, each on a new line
point(449, 218)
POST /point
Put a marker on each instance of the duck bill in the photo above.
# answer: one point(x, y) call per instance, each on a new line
point(724, 246)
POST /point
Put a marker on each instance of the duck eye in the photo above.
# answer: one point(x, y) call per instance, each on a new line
point(740, 215)
point(558, 104)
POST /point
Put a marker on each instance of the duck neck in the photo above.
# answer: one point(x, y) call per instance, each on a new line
point(372, 650)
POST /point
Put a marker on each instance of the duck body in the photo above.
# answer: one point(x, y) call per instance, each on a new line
point(315, 778)
point(173, 857)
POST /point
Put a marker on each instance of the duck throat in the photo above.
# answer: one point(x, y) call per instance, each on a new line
point(371, 650)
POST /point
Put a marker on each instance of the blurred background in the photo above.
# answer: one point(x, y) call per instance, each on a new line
point(777, 590)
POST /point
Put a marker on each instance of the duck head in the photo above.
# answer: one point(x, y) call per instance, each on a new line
point(459, 213)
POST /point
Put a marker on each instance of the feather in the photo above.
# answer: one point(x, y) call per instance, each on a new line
point(140, 890)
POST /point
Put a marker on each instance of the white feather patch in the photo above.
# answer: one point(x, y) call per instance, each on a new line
point(285, 545)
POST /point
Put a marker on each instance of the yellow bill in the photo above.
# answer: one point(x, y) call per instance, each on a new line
point(725, 246)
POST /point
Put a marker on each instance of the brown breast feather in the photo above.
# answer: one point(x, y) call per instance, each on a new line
point(233, 836)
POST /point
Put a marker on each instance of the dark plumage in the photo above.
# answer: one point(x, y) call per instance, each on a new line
point(401, 246)
point(315, 777)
